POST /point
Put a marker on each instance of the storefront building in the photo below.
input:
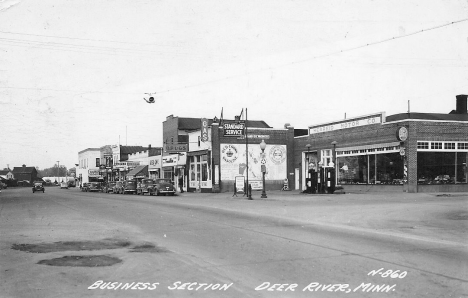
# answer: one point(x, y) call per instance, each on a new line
point(199, 162)
point(173, 165)
point(121, 165)
point(237, 159)
point(413, 152)
point(89, 161)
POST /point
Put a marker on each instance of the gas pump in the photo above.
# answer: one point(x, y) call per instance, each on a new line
point(320, 178)
point(311, 181)
point(330, 178)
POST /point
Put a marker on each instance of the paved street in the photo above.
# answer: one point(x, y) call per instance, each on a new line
point(67, 243)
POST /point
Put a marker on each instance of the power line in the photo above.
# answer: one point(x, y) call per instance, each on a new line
point(261, 69)
point(320, 56)
point(81, 48)
point(84, 39)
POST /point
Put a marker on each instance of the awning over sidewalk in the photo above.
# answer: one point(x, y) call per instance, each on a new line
point(138, 172)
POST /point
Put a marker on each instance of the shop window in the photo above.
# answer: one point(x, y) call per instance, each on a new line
point(423, 145)
point(463, 146)
point(449, 145)
point(370, 169)
point(204, 172)
point(389, 168)
point(326, 157)
point(192, 170)
point(352, 169)
point(436, 145)
point(442, 167)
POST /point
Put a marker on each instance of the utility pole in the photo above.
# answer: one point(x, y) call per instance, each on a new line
point(58, 169)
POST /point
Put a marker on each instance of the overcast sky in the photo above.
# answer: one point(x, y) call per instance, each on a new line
point(73, 74)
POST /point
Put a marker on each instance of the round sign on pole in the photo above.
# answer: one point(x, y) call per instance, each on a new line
point(402, 151)
point(402, 133)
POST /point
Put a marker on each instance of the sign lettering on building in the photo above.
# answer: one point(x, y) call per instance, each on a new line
point(204, 130)
point(234, 129)
point(350, 123)
point(174, 148)
point(93, 172)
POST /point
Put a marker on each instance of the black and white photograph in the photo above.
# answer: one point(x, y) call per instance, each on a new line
point(265, 148)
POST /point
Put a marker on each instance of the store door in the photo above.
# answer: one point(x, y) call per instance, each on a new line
point(296, 180)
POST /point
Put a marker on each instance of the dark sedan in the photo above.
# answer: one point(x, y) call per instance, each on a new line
point(129, 186)
point(38, 187)
point(163, 186)
point(146, 186)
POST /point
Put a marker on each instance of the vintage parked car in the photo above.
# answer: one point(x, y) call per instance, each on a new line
point(163, 186)
point(93, 186)
point(108, 187)
point(145, 186)
point(129, 186)
point(63, 184)
point(118, 187)
point(38, 187)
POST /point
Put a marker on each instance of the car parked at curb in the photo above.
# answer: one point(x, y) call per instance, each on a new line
point(109, 187)
point(145, 186)
point(93, 187)
point(38, 187)
point(118, 187)
point(164, 186)
point(129, 186)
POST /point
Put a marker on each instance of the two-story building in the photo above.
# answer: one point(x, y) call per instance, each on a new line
point(25, 173)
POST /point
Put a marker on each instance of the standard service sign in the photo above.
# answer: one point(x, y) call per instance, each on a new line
point(234, 129)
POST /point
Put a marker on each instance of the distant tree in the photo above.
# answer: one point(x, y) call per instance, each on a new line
point(53, 171)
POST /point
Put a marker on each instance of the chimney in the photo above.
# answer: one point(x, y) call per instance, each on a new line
point(461, 104)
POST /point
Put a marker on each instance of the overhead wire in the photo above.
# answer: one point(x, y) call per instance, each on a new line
point(319, 56)
point(84, 39)
point(82, 48)
point(239, 75)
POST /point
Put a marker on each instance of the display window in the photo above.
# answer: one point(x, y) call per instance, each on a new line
point(442, 167)
point(370, 169)
point(200, 173)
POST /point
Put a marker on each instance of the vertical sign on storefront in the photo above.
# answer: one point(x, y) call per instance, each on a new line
point(204, 130)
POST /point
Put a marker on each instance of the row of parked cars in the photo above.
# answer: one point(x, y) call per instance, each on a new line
point(160, 186)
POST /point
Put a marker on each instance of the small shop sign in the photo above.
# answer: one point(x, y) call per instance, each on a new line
point(204, 130)
point(174, 148)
